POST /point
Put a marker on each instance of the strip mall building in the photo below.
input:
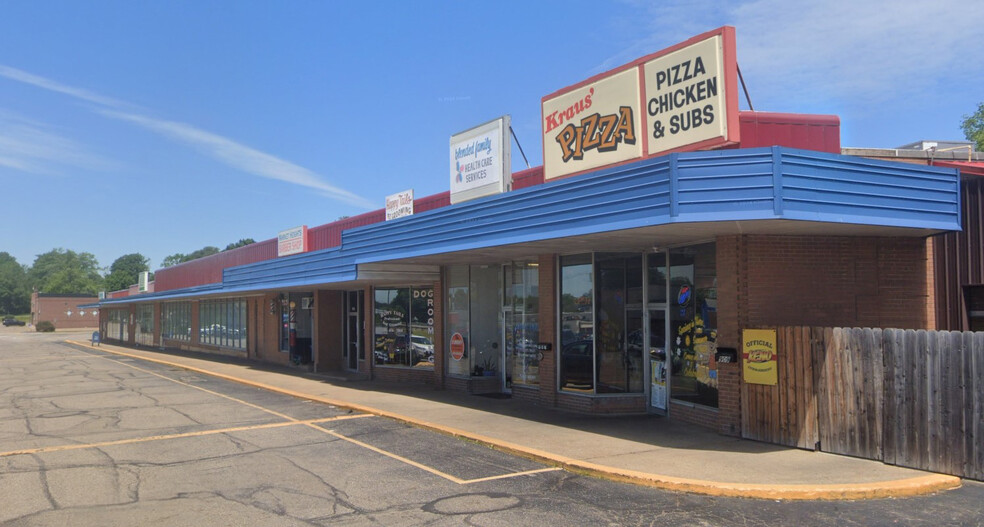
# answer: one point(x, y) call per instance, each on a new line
point(616, 278)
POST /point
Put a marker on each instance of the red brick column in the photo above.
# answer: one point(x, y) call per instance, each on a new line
point(548, 328)
point(438, 337)
point(729, 398)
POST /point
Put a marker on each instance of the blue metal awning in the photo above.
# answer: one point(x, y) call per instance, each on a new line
point(774, 184)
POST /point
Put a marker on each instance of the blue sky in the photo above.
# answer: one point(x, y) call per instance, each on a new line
point(162, 127)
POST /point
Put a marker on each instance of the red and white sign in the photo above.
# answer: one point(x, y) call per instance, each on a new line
point(457, 346)
point(292, 241)
point(682, 98)
point(399, 205)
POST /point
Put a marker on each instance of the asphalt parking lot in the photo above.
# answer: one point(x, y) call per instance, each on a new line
point(91, 438)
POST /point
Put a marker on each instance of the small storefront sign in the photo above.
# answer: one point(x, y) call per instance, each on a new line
point(657, 388)
point(399, 205)
point(292, 241)
point(457, 346)
point(759, 362)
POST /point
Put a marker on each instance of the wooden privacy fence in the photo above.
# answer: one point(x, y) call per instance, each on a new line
point(908, 398)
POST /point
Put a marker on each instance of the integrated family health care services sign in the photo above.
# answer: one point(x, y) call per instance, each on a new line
point(480, 161)
point(292, 241)
point(759, 362)
point(682, 98)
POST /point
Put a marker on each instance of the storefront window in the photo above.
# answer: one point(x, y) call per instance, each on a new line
point(117, 326)
point(577, 323)
point(223, 323)
point(404, 327)
point(693, 324)
point(521, 305)
point(474, 320)
point(145, 325)
point(456, 321)
point(602, 324)
point(176, 324)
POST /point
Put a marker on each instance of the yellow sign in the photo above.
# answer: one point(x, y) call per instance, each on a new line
point(759, 356)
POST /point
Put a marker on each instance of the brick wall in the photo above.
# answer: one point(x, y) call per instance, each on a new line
point(405, 375)
point(548, 317)
point(766, 281)
point(626, 404)
point(698, 415)
point(526, 394)
point(729, 398)
point(438, 337)
point(820, 281)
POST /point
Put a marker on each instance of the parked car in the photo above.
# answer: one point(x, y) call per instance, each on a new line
point(423, 348)
point(11, 321)
point(577, 363)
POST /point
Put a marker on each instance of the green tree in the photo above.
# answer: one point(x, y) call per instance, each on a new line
point(15, 295)
point(973, 127)
point(126, 270)
point(179, 258)
point(242, 242)
point(65, 272)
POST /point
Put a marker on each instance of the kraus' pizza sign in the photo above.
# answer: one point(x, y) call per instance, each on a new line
point(681, 98)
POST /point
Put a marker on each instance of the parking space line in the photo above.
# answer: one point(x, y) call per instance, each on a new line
point(401, 459)
point(426, 468)
point(200, 433)
point(206, 390)
point(512, 475)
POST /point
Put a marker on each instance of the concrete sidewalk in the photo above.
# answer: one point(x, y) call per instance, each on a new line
point(646, 450)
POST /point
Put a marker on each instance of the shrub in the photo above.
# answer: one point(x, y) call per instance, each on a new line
point(45, 327)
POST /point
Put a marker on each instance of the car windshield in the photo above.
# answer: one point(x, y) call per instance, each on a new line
point(420, 340)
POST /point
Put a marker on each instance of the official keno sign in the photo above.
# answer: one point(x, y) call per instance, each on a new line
point(682, 98)
point(480, 161)
point(292, 241)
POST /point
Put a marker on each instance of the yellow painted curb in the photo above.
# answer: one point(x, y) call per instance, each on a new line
point(900, 488)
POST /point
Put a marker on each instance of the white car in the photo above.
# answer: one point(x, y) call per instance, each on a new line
point(422, 347)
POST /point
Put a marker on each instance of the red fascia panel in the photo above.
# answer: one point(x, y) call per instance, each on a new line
point(122, 293)
point(806, 131)
point(330, 235)
point(528, 178)
point(208, 270)
point(967, 168)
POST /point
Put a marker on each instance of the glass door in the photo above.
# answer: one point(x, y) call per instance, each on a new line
point(353, 329)
point(659, 376)
point(657, 327)
point(521, 328)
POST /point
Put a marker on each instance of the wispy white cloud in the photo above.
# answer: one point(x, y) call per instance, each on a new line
point(239, 156)
point(32, 147)
point(48, 84)
point(844, 49)
point(220, 148)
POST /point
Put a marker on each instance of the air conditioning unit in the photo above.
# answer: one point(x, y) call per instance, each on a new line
point(307, 302)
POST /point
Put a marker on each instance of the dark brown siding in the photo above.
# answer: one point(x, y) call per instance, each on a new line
point(959, 259)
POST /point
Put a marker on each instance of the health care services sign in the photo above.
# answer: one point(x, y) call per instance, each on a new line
point(292, 241)
point(399, 205)
point(759, 362)
point(480, 161)
point(682, 98)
